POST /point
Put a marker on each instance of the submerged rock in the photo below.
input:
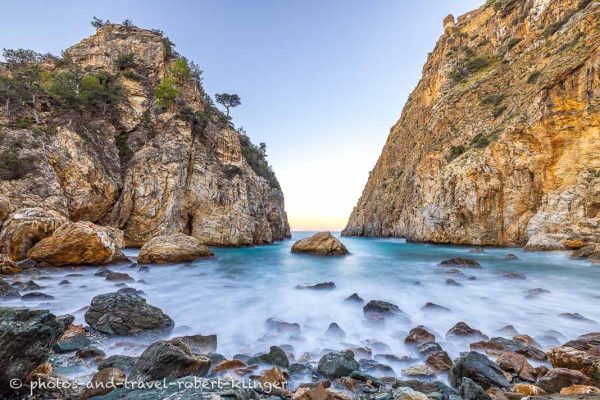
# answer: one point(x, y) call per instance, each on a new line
point(464, 331)
point(354, 298)
point(172, 249)
point(7, 291)
point(277, 326)
point(420, 334)
point(26, 337)
point(460, 262)
point(33, 296)
point(377, 310)
point(432, 307)
point(168, 359)
point(318, 286)
point(335, 332)
point(79, 243)
point(126, 314)
point(322, 243)
point(338, 364)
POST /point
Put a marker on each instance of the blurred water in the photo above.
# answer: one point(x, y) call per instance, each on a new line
point(233, 294)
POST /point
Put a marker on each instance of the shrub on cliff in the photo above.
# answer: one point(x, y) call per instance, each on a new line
point(166, 92)
point(124, 61)
point(180, 70)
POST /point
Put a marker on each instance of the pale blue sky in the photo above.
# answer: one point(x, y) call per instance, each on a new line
point(321, 81)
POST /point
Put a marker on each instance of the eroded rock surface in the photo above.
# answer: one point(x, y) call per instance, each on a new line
point(322, 243)
point(172, 249)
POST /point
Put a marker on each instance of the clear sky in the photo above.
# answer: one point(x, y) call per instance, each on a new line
point(321, 81)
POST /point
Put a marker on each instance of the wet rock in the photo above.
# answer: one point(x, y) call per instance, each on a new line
point(440, 361)
point(375, 368)
point(172, 249)
point(361, 352)
point(576, 317)
point(34, 296)
point(26, 337)
point(364, 377)
point(24, 228)
point(130, 290)
point(557, 378)
point(477, 250)
point(201, 344)
point(511, 256)
point(27, 263)
point(463, 331)
point(516, 364)
point(104, 382)
point(355, 298)
point(533, 293)
point(144, 268)
point(276, 356)
point(507, 330)
point(420, 334)
point(335, 332)
point(322, 243)
point(376, 345)
point(496, 346)
point(103, 272)
point(227, 365)
point(118, 277)
point(453, 271)
point(394, 359)
point(124, 363)
point(338, 364)
point(526, 340)
point(461, 263)
point(419, 372)
point(8, 266)
point(7, 291)
point(452, 282)
point(379, 308)
point(64, 282)
point(318, 286)
point(126, 314)
point(469, 390)
point(90, 352)
point(480, 369)
point(528, 390)
point(169, 359)
point(581, 354)
point(427, 348)
point(78, 243)
point(515, 275)
point(300, 371)
point(432, 307)
point(273, 380)
point(73, 339)
point(281, 327)
point(406, 393)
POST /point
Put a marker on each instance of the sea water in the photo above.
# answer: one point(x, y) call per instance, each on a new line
point(234, 293)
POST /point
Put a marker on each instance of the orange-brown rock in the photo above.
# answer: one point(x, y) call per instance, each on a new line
point(516, 363)
point(322, 243)
point(581, 354)
point(498, 143)
point(273, 380)
point(172, 249)
point(104, 382)
point(528, 390)
point(319, 392)
point(580, 389)
point(78, 243)
point(229, 365)
point(43, 369)
point(25, 228)
point(8, 266)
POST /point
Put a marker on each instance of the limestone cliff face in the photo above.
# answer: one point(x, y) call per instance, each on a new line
point(146, 169)
point(499, 143)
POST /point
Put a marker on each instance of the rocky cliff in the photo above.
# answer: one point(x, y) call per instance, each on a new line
point(122, 134)
point(499, 143)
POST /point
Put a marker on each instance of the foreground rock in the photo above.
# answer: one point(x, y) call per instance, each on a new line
point(25, 228)
point(169, 359)
point(322, 243)
point(26, 337)
point(126, 314)
point(172, 249)
point(338, 364)
point(557, 378)
point(7, 291)
point(480, 369)
point(582, 354)
point(79, 243)
point(104, 382)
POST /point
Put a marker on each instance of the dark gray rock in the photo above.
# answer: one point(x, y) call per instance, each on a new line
point(64, 282)
point(427, 348)
point(167, 359)
point(90, 352)
point(318, 286)
point(469, 390)
point(27, 285)
point(72, 343)
point(480, 369)
point(375, 368)
point(300, 371)
point(335, 332)
point(460, 263)
point(118, 277)
point(7, 291)
point(103, 272)
point(126, 314)
point(515, 275)
point(355, 298)
point(432, 307)
point(27, 263)
point(452, 282)
point(33, 296)
point(338, 364)
point(276, 357)
point(376, 310)
point(463, 331)
point(124, 363)
point(26, 337)
point(130, 290)
point(201, 344)
point(281, 327)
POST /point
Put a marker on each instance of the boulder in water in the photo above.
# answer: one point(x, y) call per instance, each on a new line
point(460, 263)
point(172, 249)
point(338, 364)
point(480, 369)
point(126, 314)
point(7, 291)
point(420, 334)
point(322, 243)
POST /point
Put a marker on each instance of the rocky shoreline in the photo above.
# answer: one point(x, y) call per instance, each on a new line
point(504, 364)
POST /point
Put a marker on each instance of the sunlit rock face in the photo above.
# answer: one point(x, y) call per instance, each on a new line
point(145, 170)
point(499, 141)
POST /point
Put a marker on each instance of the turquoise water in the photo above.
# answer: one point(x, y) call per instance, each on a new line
point(233, 294)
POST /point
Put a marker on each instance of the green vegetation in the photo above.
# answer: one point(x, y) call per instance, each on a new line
point(99, 23)
point(455, 151)
point(231, 171)
point(533, 77)
point(129, 74)
point(505, 7)
point(471, 66)
point(124, 61)
point(256, 157)
point(493, 99)
point(13, 163)
point(125, 151)
point(180, 70)
point(498, 111)
point(100, 91)
point(228, 100)
point(513, 42)
point(166, 92)
point(480, 141)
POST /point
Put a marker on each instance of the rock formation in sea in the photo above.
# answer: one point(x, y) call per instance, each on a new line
point(499, 142)
point(119, 132)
